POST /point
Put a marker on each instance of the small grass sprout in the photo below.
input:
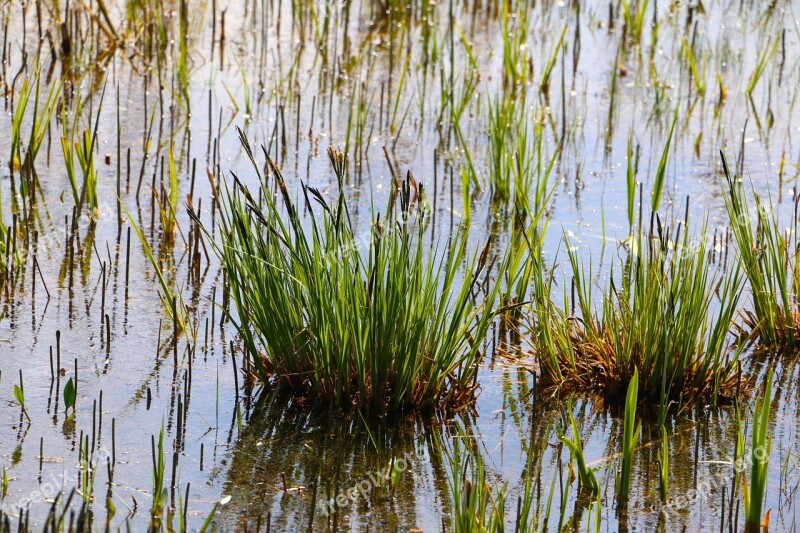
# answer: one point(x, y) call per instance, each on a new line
point(173, 302)
point(160, 492)
point(19, 395)
point(586, 475)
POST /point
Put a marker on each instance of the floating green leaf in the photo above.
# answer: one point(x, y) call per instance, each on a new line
point(19, 394)
point(69, 394)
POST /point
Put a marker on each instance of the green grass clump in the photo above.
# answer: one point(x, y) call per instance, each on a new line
point(654, 317)
point(160, 492)
point(39, 120)
point(375, 320)
point(769, 259)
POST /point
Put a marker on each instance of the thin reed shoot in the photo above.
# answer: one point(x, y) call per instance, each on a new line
point(586, 475)
point(172, 300)
point(663, 466)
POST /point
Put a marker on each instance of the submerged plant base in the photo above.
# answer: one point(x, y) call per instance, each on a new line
point(596, 372)
point(785, 340)
point(291, 390)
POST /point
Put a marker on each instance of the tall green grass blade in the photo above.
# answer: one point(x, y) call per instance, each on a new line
point(770, 262)
point(761, 66)
point(630, 439)
point(173, 305)
point(760, 449)
point(663, 466)
point(661, 171)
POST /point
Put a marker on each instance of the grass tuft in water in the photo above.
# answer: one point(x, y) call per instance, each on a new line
point(654, 319)
point(373, 319)
point(768, 258)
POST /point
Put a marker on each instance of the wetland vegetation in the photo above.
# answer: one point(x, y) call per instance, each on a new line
point(371, 265)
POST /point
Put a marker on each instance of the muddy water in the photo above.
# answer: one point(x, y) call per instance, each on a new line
point(304, 73)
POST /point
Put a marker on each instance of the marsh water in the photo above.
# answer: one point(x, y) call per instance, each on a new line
point(398, 87)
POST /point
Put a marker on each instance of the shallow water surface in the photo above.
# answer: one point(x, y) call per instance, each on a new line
point(398, 87)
